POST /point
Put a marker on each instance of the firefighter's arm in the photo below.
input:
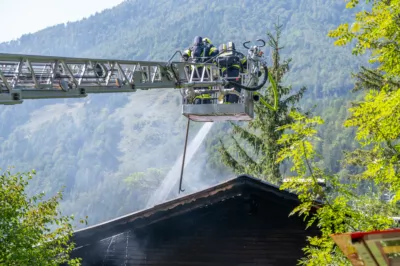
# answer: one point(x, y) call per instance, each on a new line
point(243, 61)
point(186, 54)
point(213, 51)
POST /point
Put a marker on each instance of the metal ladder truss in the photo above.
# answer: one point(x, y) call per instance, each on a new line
point(44, 77)
point(200, 79)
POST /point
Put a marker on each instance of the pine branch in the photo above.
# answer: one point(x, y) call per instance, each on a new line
point(372, 79)
point(373, 72)
point(367, 79)
point(248, 161)
point(295, 97)
point(271, 40)
point(228, 159)
point(252, 139)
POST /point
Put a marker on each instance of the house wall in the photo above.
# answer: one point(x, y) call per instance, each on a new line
point(238, 231)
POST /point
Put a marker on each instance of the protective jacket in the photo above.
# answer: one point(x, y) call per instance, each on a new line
point(231, 64)
point(230, 59)
point(201, 50)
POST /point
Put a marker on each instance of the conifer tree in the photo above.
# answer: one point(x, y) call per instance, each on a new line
point(254, 149)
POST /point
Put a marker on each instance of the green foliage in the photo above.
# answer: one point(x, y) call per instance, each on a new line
point(345, 207)
point(150, 179)
point(25, 234)
point(304, 131)
point(377, 121)
point(341, 210)
point(376, 31)
point(376, 117)
point(258, 155)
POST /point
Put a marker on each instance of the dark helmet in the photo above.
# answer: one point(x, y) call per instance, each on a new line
point(231, 46)
point(197, 40)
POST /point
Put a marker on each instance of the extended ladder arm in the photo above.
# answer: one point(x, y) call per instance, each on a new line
point(46, 77)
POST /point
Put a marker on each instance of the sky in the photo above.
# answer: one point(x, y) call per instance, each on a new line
point(18, 17)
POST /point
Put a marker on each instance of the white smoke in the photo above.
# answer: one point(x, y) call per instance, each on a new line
point(171, 179)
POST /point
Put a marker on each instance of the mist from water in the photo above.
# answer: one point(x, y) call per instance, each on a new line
point(171, 180)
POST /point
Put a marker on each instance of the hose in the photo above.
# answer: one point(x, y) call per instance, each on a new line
point(275, 91)
point(266, 75)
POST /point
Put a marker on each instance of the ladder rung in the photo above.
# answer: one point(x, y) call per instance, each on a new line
point(37, 72)
point(42, 77)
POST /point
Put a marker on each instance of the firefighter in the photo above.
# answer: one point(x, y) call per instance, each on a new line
point(210, 51)
point(201, 51)
point(231, 64)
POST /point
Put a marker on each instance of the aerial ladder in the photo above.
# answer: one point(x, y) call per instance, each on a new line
point(24, 77)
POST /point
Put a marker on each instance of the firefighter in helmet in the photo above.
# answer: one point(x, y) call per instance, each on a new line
point(201, 51)
point(231, 64)
point(210, 51)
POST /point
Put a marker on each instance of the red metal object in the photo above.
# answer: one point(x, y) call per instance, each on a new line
point(379, 247)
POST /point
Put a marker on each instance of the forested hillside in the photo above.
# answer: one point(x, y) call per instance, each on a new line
point(93, 145)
